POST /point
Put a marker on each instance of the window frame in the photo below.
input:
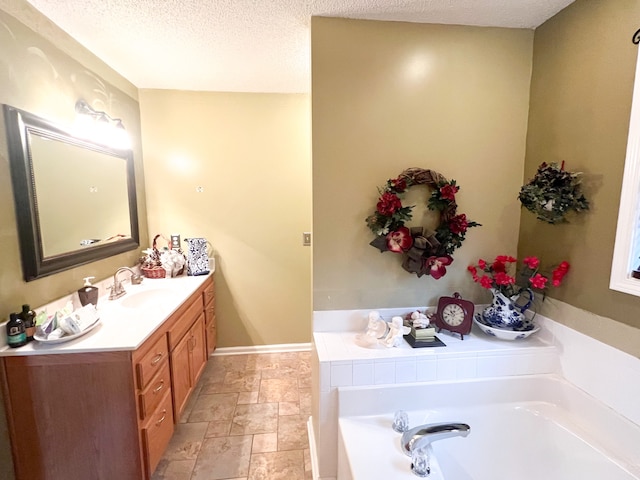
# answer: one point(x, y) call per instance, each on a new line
point(627, 244)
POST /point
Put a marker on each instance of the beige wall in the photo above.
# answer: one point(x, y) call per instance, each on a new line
point(37, 76)
point(387, 96)
point(251, 154)
point(582, 84)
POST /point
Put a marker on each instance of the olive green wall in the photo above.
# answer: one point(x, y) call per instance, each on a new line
point(251, 154)
point(387, 96)
point(43, 71)
point(581, 90)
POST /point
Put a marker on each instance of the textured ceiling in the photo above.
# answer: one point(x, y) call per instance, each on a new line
point(248, 45)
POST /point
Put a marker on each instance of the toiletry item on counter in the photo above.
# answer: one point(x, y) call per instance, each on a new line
point(16, 335)
point(197, 257)
point(88, 294)
point(67, 322)
point(28, 316)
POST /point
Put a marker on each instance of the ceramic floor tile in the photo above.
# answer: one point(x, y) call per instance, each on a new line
point(277, 466)
point(292, 432)
point(174, 470)
point(278, 390)
point(247, 397)
point(255, 418)
point(305, 401)
point(288, 408)
point(186, 441)
point(304, 381)
point(215, 407)
point(218, 429)
point(229, 362)
point(223, 458)
point(265, 442)
point(244, 409)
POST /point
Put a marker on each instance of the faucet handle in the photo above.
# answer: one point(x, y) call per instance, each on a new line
point(420, 464)
point(136, 279)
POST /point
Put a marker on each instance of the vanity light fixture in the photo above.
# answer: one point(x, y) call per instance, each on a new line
point(110, 130)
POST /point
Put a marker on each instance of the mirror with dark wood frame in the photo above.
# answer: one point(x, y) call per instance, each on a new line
point(75, 199)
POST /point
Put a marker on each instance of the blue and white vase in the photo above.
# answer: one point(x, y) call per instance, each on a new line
point(504, 312)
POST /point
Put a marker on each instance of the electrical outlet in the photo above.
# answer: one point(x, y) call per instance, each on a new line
point(306, 239)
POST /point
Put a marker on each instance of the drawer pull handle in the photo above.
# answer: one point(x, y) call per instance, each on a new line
point(159, 387)
point(164, 415)
point(156, 359)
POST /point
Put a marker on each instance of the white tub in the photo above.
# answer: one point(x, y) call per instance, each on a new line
point(522, 428)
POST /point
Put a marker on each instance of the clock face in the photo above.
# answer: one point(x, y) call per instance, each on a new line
point(453, 314)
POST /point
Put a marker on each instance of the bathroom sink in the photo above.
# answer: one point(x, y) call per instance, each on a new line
point(146, 298)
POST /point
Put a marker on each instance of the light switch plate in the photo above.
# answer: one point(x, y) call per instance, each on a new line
point(306, 239)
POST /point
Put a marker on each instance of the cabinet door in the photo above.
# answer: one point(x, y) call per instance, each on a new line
point(210, 328)
point(198, 353)
point(180, 375)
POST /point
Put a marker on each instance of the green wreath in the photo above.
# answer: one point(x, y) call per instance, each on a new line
point(552, 193)
point(424, 252)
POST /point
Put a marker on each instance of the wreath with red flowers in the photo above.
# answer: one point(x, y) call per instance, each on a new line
point(424, 251)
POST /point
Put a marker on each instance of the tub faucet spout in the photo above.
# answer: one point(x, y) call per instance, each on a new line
point(423, 435)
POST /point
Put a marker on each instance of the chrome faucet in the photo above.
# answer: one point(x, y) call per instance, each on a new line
point(117, 290)
point(420, 437)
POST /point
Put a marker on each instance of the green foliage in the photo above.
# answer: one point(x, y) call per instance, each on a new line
point(553, 193)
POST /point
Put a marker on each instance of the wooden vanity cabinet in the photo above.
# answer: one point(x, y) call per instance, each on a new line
point(210, 315)
point(188, 359)
point(104, 415)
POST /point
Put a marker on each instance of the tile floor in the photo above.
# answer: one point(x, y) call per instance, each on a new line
point(246, 420)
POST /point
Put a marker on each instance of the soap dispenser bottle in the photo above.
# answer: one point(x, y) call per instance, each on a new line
point(88, 293)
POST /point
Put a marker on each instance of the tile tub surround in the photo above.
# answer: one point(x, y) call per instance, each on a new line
point(338, 362)
point(246, 421)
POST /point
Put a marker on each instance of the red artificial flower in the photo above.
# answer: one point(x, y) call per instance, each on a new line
point(531, 262)
point(474, 272)
point(399, 240)
point(500, 263)
point(437, 265)
point(501, 278)
point(482, 264)
point(398, 184)
point(388, 204)
point(448, 191)
point(458, 224)
point(559, 273)
point(485, 281)
point(538, 281)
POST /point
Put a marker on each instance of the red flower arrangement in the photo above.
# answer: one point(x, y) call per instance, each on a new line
point(424, 251)
point(495, 275)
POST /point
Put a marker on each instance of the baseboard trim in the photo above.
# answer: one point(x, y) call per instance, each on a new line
point(280, 348)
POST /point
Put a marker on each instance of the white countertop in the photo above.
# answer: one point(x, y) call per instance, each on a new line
point(123, 327)
point(345, 346)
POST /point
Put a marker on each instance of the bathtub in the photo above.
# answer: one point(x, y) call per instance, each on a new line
point(522, 428)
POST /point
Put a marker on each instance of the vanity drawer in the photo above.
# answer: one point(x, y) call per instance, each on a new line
point(152, 395)
point(183, 321)
point(151, 362)
point(157, 432)
point(209, 291)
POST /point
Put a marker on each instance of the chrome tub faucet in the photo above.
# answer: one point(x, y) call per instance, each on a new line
point(423, 435)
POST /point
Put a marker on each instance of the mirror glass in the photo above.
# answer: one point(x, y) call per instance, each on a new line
point(75, 199)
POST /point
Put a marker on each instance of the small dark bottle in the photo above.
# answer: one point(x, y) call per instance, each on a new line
point(28, 316)
point(16, 335)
